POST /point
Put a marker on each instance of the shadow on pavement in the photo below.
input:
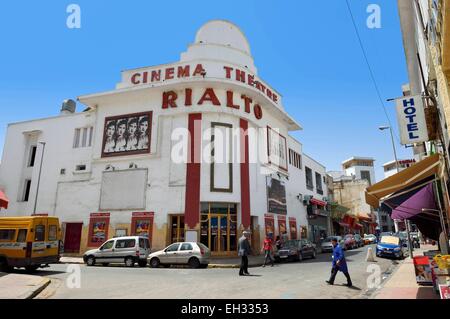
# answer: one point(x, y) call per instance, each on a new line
point(37, 272)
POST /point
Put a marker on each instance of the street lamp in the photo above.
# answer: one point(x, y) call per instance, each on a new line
point(39, 177)
point(382, 128)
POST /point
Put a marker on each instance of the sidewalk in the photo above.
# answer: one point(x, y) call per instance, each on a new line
point(402, 283)
point(17, 286)
point(215, 262)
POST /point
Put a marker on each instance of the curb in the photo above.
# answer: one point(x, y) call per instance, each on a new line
point(39, 289)
point(209, 265)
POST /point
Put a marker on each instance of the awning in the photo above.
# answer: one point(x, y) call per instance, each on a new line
point(318, 202)
point(364, 217)
point(407, 177)
point(344, 224)
point(358, 226)
point(424, 198)
point(3, 200)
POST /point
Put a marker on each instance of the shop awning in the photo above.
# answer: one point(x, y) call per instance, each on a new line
point(364, 217)
point(358, 226)
point(424, 198)
point(407, 177)
point(3, 200)
point(344, 224)
point(318, 202)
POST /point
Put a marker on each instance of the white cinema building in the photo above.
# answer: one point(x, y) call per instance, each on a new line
point(195, 150)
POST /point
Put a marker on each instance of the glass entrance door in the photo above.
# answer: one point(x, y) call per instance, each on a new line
point(218, 228)
point(218, 231)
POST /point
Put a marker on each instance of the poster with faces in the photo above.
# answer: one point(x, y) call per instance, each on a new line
point(127, 134)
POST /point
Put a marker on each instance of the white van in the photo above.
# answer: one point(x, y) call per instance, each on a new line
point(128, 250)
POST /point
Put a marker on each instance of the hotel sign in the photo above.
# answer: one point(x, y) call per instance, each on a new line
point(411, 120)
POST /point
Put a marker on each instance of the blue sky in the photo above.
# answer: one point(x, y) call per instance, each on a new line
point(307, 50)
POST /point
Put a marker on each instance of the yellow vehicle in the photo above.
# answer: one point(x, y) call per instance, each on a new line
point(30, 242)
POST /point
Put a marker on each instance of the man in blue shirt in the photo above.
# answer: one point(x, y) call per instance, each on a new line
point(339, 263)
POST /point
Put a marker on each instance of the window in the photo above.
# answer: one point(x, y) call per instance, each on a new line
point(186, 246)
point(142, 243)
point(309, 178)
point(108, 245)
point(83, 137)
point(121, 232)
point(39, 233)
point(366, 175)
point(32, 156)
point(7, 234)
point(22, 236)
point(295, 159)
point(52, 232)
point(80, 168)
point(319, 184)
point(125, 243)
point(173, 247)
point(384, 219)
point(26, 191)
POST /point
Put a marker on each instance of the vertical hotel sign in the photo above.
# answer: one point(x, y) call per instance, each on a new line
point(411, 120)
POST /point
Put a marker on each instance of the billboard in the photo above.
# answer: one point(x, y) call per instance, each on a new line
point(276, 196)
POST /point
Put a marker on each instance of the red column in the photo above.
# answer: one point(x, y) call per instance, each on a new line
point(245, 176)
point(192, 201)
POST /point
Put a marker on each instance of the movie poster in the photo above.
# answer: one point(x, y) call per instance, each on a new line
point(276, 196)
point(269, 222)
point(98, 232)
point(293, 227)
point(127, 134)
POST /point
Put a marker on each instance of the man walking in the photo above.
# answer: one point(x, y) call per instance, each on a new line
point(339, 263)
point(244, 250)
point(267, 248)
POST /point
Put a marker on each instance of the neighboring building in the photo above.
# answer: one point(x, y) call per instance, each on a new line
point(360, 167)
point(348, 189)
point(390, 168)
point(195, 150)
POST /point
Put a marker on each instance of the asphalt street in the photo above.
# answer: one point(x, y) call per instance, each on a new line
point(305, 279)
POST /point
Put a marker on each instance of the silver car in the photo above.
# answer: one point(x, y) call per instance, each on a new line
point(328, 247)
point(128, 250)
point(196, 255)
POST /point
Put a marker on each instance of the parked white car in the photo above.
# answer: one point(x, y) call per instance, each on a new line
point(196, 255)
point(128, 250)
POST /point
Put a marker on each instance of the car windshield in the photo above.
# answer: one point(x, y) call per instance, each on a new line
point(291, 243)
point(390, 240)
point(328, 239)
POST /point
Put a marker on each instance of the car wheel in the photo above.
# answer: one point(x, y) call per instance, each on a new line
point(105, 264)
point(154, 262)
point(314, 254)
point(90, 261)
point(194, 262)
point(129, 262)
point(142, 263)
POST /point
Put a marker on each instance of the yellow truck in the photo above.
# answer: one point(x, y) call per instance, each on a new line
point(30, 242)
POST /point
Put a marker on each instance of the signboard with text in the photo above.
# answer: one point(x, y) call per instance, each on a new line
point(411, 120)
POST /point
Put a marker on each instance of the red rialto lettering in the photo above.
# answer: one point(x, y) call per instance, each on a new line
point(169, 73)
point(240, 76)
point(156, 75)
point(134, 78)
point(210, 96)
point(275, 98)
point(250, 79)
point(169, 99)
point(144, 77)
point(257, 110)
point(247, 102)
point(183, 71)
point(269, 93)
point(199, 70)
point(228, 71)
point(230, 100)
point(188, 97)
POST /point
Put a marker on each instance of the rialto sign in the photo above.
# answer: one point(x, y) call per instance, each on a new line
point(411, 120)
